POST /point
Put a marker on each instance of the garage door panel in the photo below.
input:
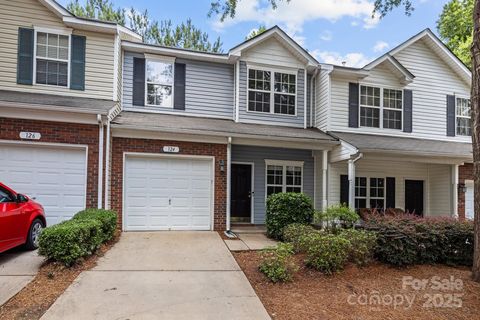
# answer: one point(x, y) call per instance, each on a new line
point(176, 190)
point(55, 176)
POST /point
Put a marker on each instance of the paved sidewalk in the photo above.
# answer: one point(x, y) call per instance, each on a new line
point(17, 269)
point(250, 241)
point(162, 275)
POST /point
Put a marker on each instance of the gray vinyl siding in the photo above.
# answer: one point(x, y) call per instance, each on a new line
point(209, 88)
point(270, 118)
point(258, 155)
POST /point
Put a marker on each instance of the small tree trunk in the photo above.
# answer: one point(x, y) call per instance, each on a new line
point(475, 103)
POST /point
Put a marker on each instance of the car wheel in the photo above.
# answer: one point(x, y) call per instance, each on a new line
point(34, 234)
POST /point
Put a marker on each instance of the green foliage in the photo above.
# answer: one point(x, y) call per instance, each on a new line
point(255, 32)
point(298, 235)
point(327, 253)
point(277, 263)
point(287, 208)
point(228, 8)
point(184, 35)
point(73, 239)
point(383, 7)
point(337, 216)
point(362, 247)
point(404, 241)
point(455, 27)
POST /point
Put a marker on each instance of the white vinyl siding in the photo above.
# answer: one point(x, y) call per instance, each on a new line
point(271, 52)
point(31, 13)
point(436, 177)
point(322, 100)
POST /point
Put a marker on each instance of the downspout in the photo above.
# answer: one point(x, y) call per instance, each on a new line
point(100, 161)
point(107, 166)
point(351, 180)
point(229, 166)
point(312, 87)
point(305, 99)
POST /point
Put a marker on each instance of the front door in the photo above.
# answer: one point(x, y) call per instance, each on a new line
point(414, 197)
point(241, 193)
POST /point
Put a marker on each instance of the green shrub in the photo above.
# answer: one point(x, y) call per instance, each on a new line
point(277, 264)
point(408, 240)
point(327, 253)
point(71, 240)
point(337, 216)
point(362, 247)
point(287, 208)
point(296, 233)
point(108, 218)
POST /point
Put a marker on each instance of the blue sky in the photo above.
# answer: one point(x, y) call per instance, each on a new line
point(332, 30)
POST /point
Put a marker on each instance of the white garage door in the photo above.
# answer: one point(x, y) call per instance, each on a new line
point(55, 176)
point(469, 213)
point(167, 193)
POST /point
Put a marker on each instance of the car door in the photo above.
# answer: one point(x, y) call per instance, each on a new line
point(11, 221)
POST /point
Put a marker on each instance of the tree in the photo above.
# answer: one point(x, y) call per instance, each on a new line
point(255, 32)
point(383, 7)
point(455, 27)
point(185, 35)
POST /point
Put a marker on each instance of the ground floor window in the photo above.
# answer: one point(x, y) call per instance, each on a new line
point(371, 191)
point(283, 176)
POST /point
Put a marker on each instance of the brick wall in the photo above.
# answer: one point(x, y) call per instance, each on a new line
point(219, 151)
point(60, 132)
point(465, 172)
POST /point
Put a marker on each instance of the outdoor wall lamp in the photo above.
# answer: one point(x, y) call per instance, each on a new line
point(222, 165)
point(462, 188)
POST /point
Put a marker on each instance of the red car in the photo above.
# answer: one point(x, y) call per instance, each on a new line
point(21, 220)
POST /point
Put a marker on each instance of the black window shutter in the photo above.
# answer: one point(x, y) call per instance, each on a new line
point(353, 105)
point(407, 110)
point(390, 194)
point(25, 56)
point(77, 66)
point(179, 90)
point(344, 189)
point(450, 115)
point(138, 81)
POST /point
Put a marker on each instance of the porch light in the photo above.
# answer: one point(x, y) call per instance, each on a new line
point(222, 165)
point(462, 188)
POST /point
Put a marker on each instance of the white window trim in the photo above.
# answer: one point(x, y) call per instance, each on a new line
point(272, 89)
point(463, 117)
point(368, 186)
point(167, 60)
point(63, 32)
point(381, 107)
point(284, 164)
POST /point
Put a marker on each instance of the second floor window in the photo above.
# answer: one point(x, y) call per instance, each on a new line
point(381, 107)
point(463, 109)
point(272, 94)
point(159, 83)
point(52, 59)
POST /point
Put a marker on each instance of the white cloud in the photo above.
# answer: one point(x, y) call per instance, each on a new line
point(353, 59)
point(380, 46)
point(326, 35)
point(293, 15)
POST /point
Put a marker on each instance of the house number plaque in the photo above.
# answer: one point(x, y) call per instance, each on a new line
point(30, 135)
point(171, 149)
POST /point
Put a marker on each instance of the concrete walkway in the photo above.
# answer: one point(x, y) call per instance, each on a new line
point(162, 275)
point(17, 269)
point(250, 241)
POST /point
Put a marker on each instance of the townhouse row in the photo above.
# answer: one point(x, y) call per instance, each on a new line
point(174, 139)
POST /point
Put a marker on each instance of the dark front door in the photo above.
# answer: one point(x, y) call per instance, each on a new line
point(241, 193)
point(414, 196)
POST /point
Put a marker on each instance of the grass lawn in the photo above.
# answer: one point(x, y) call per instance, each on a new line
point(351, 293)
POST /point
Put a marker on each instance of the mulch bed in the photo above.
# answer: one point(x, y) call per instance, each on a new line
point(348, 294)
point(50, 282)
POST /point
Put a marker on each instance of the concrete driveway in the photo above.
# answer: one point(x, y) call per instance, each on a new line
point(162, 275)
point(17, 269)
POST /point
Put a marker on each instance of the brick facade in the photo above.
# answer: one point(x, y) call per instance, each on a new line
point(465, 172)
point(61, 132)
point(219, 151)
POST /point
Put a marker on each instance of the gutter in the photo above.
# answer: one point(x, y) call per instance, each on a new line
point(100, 161)
point(229, 165)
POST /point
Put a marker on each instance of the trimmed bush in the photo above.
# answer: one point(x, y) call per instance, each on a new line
point(296, 233)
point(277, 264)
point(287, 208)
point(73, 239)
point(337, 216)
point(409, 240)
point(362, 247)
point(327, 253)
